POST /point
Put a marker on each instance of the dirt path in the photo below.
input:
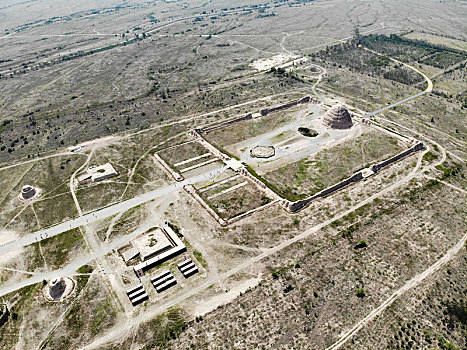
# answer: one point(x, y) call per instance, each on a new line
point(119, 331)
point(42, 158)
point(72, 183)
point(447, 184)
point(450, 254)
point(428, 89)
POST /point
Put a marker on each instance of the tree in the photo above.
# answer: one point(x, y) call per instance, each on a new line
point(357, 36)
point(357, 33)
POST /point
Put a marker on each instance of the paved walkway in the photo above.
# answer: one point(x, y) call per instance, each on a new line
point(428, 89)
point(70, 269)
point(109, 211)
point(392, 105)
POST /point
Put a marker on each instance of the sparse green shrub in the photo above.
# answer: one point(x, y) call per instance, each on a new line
point(361, 244)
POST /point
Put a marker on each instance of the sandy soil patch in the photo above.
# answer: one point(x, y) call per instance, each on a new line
point(205, 306)
point(267, 63)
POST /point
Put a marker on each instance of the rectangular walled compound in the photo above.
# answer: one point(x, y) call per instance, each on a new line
point(241, 170)
point(168, 245)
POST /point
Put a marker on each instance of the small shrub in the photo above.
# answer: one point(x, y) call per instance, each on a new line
point(360, 292)
point(361, 244)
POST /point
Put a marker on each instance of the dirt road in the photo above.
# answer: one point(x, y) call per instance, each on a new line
point(119, 331)
point(450, 254)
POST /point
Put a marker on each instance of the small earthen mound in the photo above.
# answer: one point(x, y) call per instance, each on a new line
point(262, 152)
point(59, 288)
point(307, 132)
point(337, 117)
point(28, 192)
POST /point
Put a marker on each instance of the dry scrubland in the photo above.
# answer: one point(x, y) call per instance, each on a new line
point(125, 70)
point(63, 100)
point(55, 203)
point(310, 293)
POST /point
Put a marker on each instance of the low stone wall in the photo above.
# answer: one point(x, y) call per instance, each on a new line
point(192, 191)
point(172, 173)
point(300, 204)
point(263, 112)
point(196, 134)
point(249, 116)
point(304, 100)
point(177, 145)
point(270, 193)
point(250, 212)
point(288, 205)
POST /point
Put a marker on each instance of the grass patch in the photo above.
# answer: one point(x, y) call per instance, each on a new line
point(200, 258)
point(59, 249)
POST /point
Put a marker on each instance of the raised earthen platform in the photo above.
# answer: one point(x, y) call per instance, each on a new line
point(263, 152)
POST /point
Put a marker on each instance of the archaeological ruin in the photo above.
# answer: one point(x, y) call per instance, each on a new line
point(338, 117)
point(307, 132)
point(59, 288)
point(263, 152)
point(97, 173)
point(28, 192)
point(153, 247)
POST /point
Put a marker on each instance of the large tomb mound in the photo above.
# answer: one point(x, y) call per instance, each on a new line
point(262, 152)
point(338, 117)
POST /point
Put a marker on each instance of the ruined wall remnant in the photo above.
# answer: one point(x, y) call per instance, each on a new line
point(270, 193)
point(418, 147)
point(304, 100)
point(196, 134)
point(262, 152)
point(174, 174)
point(263, 112)
point(300, 204)
point(249, 116)
point(191, 190)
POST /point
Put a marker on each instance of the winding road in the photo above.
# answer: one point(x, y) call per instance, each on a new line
point(428, 89)
point(167, 190)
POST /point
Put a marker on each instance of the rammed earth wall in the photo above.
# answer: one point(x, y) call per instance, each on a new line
point(263, 112)
point(300, 204)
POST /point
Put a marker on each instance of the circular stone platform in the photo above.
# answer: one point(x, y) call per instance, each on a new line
point(59, 288)
point(262, 152)
point(338, 117)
